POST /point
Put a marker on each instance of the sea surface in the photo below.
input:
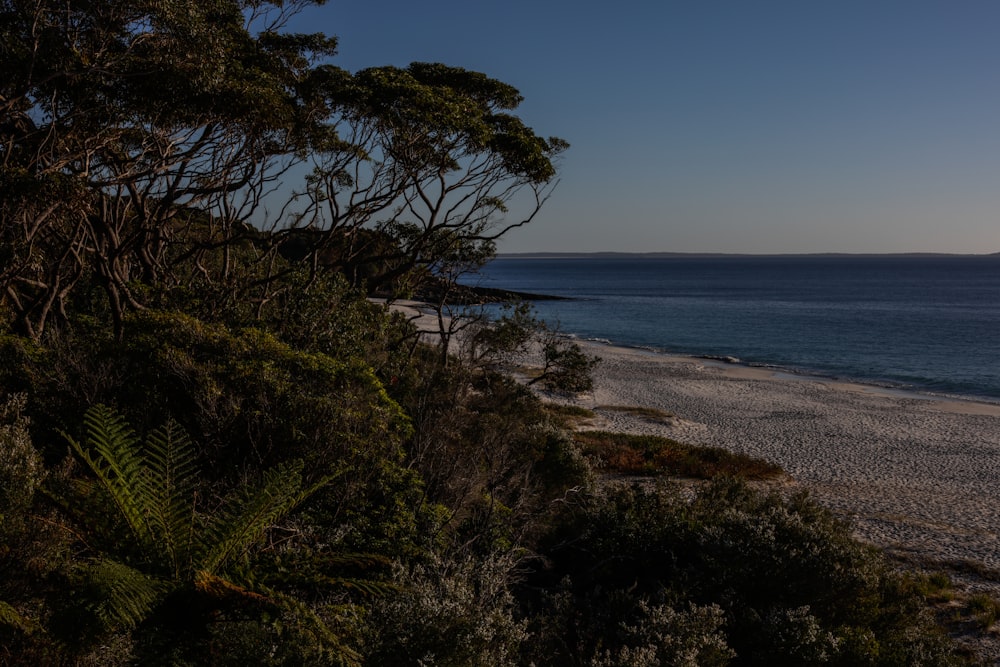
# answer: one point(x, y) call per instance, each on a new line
point(924, 323)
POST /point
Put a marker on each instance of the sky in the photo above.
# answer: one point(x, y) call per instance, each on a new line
point(748, 126)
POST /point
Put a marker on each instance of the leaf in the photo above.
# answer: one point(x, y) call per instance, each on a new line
point(221, 589)
point(170, 479)
point(118, 467)
point(122, 596)
point(242, 521)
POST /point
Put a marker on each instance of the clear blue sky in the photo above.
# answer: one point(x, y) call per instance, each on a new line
point(731, 125)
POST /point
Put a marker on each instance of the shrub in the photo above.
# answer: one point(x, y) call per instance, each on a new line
point(985, 608)
point(792, 585)
point(483, 445)
point(450, 613)
point(648, 454)
point(21, 469)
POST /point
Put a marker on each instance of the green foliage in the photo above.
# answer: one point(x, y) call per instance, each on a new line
point(119, 116)
point(12, 619)
point(167, 567)
point(793, 587)
point(21, 469)
point(648, 454)
point(496, 342)
point(662, 635)
point(152, 487)
point(483, 446)
point(450, 613)
point(325, 314)
point(21, 473)
point(250, 399)
point(985, 608)
point(567, 368)
point(462, 110)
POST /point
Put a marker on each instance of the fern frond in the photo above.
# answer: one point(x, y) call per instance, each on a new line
point(170, 480)
point(121, 596)
point(240, 524)
point(112, 455)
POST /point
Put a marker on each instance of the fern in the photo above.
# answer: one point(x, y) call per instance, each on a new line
point(122, 596)
point(118, 467)
point(170, 547)
point(170, 479)
point(244, 520)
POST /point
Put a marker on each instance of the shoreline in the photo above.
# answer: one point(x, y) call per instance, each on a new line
point(793, 373)
point(916, 475)
point(737, 367)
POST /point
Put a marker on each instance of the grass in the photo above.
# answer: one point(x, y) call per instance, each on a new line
point(652, 455)
point(935, 587)
point(985, 609)
point(570, 410)
point(568, 416)
point(649, 413)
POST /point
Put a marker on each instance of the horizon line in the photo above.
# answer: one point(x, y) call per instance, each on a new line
point(662, 254)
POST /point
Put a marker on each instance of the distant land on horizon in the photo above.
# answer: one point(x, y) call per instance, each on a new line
point(664, 255)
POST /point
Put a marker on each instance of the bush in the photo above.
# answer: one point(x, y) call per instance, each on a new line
point(792, 585)
point(485, 449)
point(649, 454)
point(449, 613)
point(21, 469)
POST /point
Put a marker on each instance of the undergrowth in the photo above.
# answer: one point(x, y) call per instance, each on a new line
point(653, 455)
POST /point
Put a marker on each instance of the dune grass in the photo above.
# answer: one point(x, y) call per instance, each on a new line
point(568, 416)
point(638, 411)
point(653, 455)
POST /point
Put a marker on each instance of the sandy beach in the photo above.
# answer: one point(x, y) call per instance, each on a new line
point(917, 475)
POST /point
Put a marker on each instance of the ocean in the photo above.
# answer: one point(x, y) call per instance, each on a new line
point(922, 323)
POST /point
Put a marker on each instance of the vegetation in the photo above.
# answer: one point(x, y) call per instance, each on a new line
point(215, 449)
point(646, 577)
point(648, 454)
point(638, 411)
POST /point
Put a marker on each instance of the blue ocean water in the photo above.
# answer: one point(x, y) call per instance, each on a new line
point(927, 323)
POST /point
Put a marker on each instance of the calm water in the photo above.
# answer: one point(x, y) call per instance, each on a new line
point(925, 323)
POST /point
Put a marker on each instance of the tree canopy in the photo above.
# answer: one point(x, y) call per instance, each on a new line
point(142, 141)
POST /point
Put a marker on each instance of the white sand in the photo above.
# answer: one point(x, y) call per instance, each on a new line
point(917, 476)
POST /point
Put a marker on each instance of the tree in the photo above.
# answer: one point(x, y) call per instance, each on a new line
point(567, 368)
point(432, 160)
point(140, 140)
point(117, 118)
point(496, 343)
